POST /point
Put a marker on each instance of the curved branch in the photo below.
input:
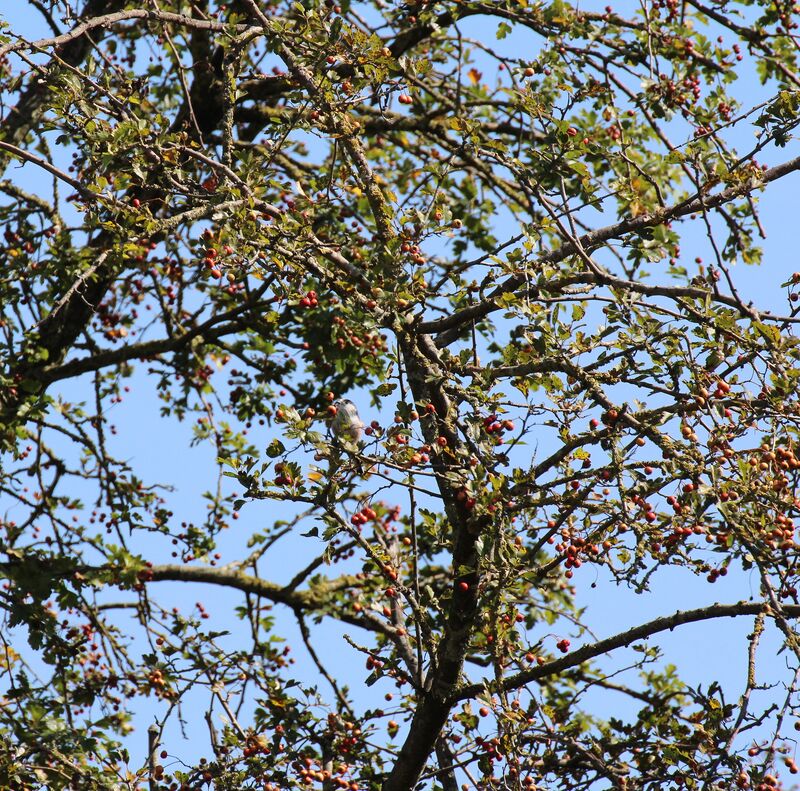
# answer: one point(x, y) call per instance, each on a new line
point(107, 20)
point(299, 600)
point(623, 639)
point(34, 100)
point(207, 331)
point(448, 328)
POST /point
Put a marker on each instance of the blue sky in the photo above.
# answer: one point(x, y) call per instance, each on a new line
point(704, 652)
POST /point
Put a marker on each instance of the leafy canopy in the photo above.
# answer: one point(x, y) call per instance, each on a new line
point(510, 232)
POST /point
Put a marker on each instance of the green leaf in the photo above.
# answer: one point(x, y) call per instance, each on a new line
point(275, 448)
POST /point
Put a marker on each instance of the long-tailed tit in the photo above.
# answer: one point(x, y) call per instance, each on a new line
point(347, 425)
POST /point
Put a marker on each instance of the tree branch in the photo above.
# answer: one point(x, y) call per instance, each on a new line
point(623, 639)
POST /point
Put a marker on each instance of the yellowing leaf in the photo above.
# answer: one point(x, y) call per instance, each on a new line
point(8, 657)
point(637, 208)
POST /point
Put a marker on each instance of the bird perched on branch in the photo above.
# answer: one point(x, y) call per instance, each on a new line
point(347, 428)
point(347, 425)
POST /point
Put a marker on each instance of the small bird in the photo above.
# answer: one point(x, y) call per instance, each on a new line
point(347, 425)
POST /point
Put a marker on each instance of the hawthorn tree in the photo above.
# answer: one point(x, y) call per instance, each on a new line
point(511, 231)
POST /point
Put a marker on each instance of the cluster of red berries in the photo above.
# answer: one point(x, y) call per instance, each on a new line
point(309, 300)
point(283, 478)
point(492, 425)
point(366, 514)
